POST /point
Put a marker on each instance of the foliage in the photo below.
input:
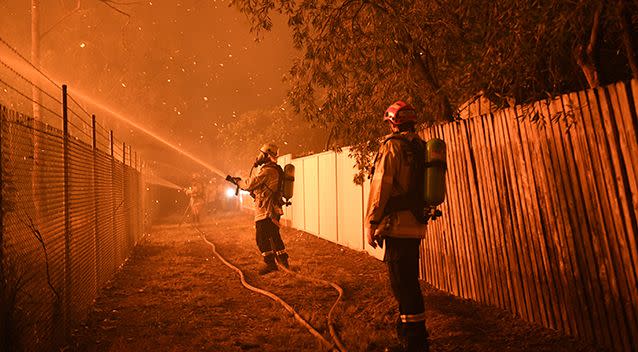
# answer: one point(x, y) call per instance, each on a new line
point(249, 131)
point(358, 56)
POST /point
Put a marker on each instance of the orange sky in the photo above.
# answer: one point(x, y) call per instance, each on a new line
point(182, 68)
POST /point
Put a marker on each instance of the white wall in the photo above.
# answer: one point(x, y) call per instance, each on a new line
point(326, 201)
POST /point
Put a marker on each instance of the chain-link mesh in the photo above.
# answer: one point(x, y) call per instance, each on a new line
point(56, 254)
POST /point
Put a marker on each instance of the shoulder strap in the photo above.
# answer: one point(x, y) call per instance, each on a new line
point(280, 179)
point(413, 199)
point(396, 136)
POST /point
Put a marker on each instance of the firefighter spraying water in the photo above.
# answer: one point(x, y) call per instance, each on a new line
point(271, 189)
point(408, 182)
point(197, 199)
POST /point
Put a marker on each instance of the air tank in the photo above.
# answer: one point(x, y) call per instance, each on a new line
point(289, 181)
point(435, 168)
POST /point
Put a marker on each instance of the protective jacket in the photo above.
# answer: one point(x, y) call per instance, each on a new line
point(197, 196)
point(264, 186)
point(391, 179)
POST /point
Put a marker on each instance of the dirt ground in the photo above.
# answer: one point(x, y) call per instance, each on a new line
point(175, 295)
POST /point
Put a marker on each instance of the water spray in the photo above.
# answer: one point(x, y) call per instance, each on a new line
point(32, 72)
point(160, 181)
point(148, 132)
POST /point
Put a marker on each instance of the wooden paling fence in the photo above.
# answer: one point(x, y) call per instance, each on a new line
point(541, 213)
point(540, 217)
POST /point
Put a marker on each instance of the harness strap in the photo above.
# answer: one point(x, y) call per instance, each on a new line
point(411, 200)
point(398, 203)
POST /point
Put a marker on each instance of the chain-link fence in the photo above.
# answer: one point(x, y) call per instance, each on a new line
point(72, 211)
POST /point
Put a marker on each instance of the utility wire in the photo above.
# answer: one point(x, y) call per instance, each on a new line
point(28, 81)
point(29, 98)
point(45, 93)
point(15, 51)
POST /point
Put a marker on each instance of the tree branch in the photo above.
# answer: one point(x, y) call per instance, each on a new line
point(76, 9)
point(587, 58)
point(112, 4)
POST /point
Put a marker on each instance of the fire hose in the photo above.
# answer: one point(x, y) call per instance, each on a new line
point(339, 290)
point(336, 346)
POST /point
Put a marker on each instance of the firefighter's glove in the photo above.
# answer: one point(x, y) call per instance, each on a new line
point(372, 238)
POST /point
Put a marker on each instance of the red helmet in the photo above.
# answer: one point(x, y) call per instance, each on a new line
point(400, 113)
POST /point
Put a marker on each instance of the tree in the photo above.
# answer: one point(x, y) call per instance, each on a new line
point(243, 137)
point(37, 35)
point(358, 56)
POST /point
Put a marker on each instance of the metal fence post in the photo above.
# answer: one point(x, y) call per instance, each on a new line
point(135, 196)
point(96, 241)
point(67, 217)
point(113, 200)
point(2, 203)
point(125, 203)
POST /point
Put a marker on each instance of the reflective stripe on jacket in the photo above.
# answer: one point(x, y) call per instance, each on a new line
point(392, 178)
point(263, 185)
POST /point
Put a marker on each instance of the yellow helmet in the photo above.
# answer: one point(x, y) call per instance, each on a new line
point(270, 149)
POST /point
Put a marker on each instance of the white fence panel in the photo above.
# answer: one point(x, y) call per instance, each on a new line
point(328, 196)
point(349, 203)
point(311, 194)
point(298, 200)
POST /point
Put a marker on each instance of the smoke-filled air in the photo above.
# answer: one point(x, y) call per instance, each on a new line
point(319, 175)
point(187, 72)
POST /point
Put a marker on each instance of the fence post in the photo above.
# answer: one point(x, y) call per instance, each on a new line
point(125, 202)
point(67, 217)
point(2, 207)
point(95, 201)
point(113, 200)
point(136, 190)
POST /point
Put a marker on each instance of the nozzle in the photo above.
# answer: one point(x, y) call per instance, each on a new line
point(233, 180)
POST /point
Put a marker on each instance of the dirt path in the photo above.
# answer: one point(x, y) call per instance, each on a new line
point(174, 295)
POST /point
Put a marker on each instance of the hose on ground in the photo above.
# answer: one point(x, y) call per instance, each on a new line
point(268, 294)
point(339, 290)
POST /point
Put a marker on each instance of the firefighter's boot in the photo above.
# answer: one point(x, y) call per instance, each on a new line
point(417, 337)
point(270, 265)
point(282, 258)
point(401, 334)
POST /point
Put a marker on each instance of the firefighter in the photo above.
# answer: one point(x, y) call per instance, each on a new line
point(394, 217)
point(197, 198)
point(265, 189)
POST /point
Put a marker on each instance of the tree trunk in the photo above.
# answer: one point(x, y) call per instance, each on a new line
point(444, 107)
point(329, 139)
point(37, 100)
point(627, 35)
point(35, 55)
point(587, 58)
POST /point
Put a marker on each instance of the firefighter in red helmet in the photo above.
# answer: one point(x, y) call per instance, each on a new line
point(395, 218)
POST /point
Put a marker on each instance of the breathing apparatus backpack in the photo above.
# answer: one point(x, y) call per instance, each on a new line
point(285, 186)
point(426, 188)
